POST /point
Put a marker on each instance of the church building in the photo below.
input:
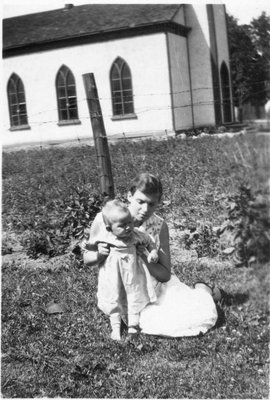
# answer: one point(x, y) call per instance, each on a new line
point(157, 67)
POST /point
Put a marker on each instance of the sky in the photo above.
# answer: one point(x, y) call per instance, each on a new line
point(243, 10)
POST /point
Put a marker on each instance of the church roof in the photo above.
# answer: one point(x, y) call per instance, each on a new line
point(82, 21)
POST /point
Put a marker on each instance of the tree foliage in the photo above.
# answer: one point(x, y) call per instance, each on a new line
point(250, 60)
point(260, 34)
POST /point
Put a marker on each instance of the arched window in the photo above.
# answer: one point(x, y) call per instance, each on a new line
point(121, 87)
point(66, 95)
point(226, 93)
point(17, 103)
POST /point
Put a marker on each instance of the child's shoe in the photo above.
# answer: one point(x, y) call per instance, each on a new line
point(133, 334)
point(133, 330)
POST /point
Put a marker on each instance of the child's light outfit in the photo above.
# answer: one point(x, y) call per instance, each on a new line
point(179, 310)
point(124, 283)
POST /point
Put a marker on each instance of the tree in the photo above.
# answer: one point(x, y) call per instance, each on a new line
point(249, 55)
point(260, 35)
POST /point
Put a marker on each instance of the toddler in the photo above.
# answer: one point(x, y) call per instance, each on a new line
point(124, 282)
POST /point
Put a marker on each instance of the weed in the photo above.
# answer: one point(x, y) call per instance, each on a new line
point(84, 204)
point(44, 240)
point(203, 239)
point(249, 221)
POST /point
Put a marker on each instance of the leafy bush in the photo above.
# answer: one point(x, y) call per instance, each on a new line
point(44, 240)
point(84, 204)
point(248, 219)
point(203, 239)
point(54, 239)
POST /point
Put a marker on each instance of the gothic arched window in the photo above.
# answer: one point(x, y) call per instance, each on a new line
point(17, 103)
point(66, 95)
point(121, 88)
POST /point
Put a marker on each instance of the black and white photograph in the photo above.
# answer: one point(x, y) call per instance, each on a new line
point(135, 199)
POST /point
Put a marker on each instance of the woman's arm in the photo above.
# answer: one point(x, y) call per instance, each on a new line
point(161, 270)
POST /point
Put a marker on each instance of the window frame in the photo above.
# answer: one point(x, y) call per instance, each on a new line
point(121, 87)
point(65, 74)
point(17, 108)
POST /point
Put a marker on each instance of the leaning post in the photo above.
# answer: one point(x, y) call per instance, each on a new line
point(100, 138)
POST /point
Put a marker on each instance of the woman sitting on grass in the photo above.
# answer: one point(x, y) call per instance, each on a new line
point(179, 309)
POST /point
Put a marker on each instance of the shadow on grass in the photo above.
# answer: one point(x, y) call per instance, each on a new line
point(239, 298)
point(233, 299)
point(228, 300)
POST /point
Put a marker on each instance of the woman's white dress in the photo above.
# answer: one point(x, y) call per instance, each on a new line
point(179, 310)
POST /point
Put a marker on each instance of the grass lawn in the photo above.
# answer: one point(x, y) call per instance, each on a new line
point(55, 342)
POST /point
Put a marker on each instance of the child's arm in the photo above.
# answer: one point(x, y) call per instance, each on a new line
point(94, 253)
point(90, 255)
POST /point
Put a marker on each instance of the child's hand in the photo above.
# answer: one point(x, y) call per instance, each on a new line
point(103, 251)
point(152, 256)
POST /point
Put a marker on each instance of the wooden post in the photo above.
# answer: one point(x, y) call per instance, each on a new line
point(100, 138)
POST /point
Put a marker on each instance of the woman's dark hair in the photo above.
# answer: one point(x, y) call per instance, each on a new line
point(147, 184)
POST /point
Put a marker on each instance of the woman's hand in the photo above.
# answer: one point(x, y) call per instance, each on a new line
point(157, 270)
point(153, 256)
point(140, 249)
point(162, 269)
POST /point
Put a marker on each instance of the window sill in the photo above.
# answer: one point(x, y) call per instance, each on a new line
point(69, 122)
point(20, 128)
point(124, 116)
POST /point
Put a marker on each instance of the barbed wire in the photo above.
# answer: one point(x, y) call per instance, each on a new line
point(84, 99)
point(139, 110)
point(172, 93)
point(108, 116)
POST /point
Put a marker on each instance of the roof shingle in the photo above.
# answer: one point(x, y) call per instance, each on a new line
point(80, 21)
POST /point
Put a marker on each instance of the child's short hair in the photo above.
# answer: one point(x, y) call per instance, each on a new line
point(147, 184)
point(112, 207)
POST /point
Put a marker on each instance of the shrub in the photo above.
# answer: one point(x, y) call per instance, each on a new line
point(248, 219)
point(84, 204)
point(52, 238)
point(202, 239)
point(44, 240)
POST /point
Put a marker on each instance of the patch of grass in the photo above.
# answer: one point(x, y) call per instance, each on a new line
point(68, 353)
